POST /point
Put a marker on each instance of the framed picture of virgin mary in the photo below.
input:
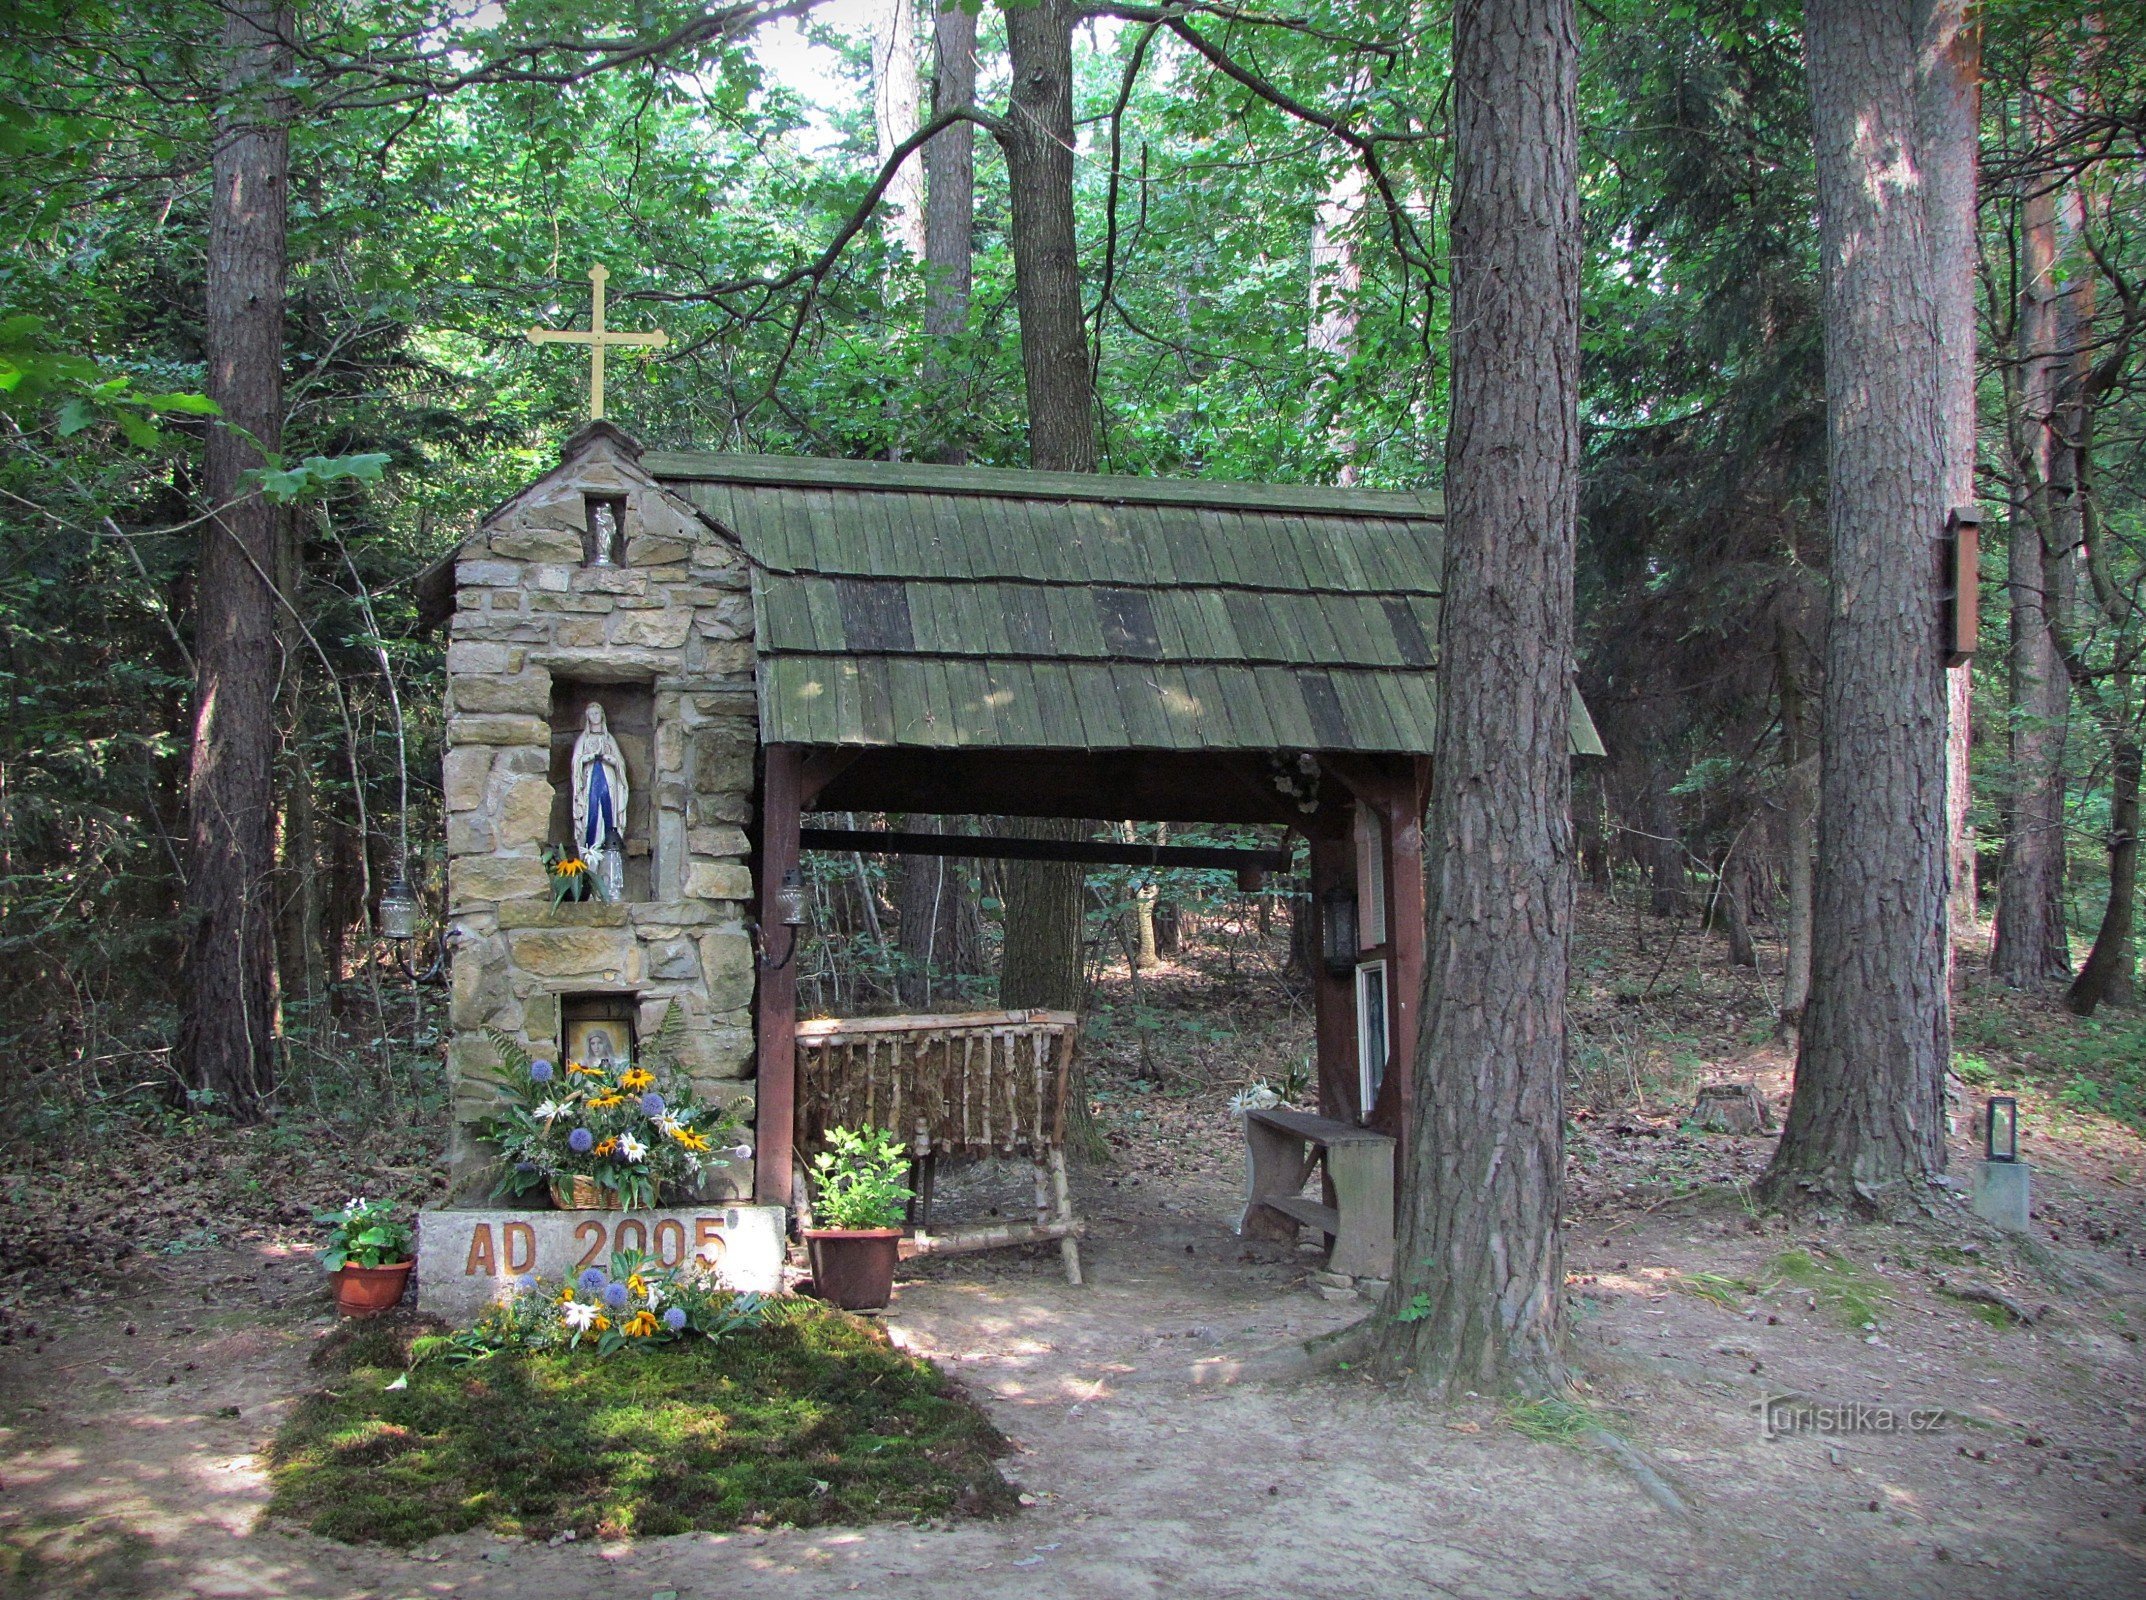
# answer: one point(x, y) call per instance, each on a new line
point(598, 1028)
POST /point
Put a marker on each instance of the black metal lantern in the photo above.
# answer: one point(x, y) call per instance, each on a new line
point(2000, 1129)
point(1337, 926)
point(398, 910)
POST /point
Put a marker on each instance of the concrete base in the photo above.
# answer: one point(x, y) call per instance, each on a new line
point(2001, 1194)
point(466, 1257)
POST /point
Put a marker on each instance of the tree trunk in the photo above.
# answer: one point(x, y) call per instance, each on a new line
point(1479, 1251)
point(2110, 973)
point(1041, 962)
point(1949, 126)
point(1866, 1125)
point(2109, 976)
point(228, 997)
point(950, 185)
point(896, 95)
point(1800, 803)
point(1038, 141)
point(2029, 947)
point(933, 903)
point(1044, 920)
point(1336, 282)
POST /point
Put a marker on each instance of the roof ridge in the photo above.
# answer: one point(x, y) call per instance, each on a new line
point(910, 477)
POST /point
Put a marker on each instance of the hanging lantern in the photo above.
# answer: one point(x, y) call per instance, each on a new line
point(790, 899)
point(2000, 1129)
point(398, 910)
point(1337, 926)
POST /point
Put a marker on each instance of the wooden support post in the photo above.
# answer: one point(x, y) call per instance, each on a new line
point(775, 997)
point(1333, 999)
point(1405, 933)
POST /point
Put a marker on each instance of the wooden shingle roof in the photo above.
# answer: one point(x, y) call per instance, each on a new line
point(899, 604)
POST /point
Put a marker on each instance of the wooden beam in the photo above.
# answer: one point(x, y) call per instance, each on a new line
point(993, 847)
point(821, 768)
point(1121, 785)
point(775, 996)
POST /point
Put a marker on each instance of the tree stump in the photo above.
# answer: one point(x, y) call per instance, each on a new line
point(1732, 1108)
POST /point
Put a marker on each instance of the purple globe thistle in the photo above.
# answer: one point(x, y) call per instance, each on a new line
point(652, 1104)
point(593, 1279)
point(540, 1072)
point(527, 1281)
point(581, 1141)
point(675, 1318)
point(616, 1296)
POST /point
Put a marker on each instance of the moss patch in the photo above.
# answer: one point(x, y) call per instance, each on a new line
point(811, 1418)
point(1842, 1288)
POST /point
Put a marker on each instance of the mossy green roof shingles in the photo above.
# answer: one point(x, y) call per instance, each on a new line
point(970, 607)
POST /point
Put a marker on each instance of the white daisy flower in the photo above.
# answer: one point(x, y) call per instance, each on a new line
point(631, 1148)
point(580, 1316)
point(549, 1110)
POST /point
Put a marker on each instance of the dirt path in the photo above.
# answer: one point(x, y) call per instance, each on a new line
point(128, 1462)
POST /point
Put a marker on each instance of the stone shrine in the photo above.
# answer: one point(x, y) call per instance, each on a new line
point(597, 600)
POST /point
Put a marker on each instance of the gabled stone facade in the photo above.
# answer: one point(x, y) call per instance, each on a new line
point(665, 634)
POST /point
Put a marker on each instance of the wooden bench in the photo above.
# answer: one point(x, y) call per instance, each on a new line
point(1281, 1150)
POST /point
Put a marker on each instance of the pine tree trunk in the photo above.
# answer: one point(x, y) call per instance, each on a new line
point(1041, 962)
point(1949, 118)
point(1800, 803)
point(2029, 947)
point(228, 997)
point(1866, 1124)
point(1479, 1249)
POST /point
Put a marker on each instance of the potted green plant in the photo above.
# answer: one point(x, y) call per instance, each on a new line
point(858, 1201)
point(368, 1250)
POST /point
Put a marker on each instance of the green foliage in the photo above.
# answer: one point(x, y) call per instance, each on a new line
point(365, 1233)
point(857, 1179)
point(809, 1418)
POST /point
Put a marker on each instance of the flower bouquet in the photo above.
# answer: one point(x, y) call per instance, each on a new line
point(635, 1304)
point(606, 1136)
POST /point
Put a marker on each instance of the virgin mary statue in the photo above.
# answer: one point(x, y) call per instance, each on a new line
point(600, 804)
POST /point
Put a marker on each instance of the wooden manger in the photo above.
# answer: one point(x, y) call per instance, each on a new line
point(978, 1083)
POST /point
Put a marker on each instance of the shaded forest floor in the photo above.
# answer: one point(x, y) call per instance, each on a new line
point(162, 1302)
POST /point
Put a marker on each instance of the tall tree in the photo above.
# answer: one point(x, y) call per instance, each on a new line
point(2029, 947)
point(1481, 1211)
point(1949, 128)
point(225, 1042)
point(1867, 1120)
point(932, 902)
point(1042, 957)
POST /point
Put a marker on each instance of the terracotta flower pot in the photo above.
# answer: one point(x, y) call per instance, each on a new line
point(368, 1291)
point(581, 1193)
point(854, 1267)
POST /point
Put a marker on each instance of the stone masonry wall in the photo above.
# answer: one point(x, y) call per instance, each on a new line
point(676, 615)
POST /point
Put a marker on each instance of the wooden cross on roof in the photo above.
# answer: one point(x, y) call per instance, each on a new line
point(598, 338)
